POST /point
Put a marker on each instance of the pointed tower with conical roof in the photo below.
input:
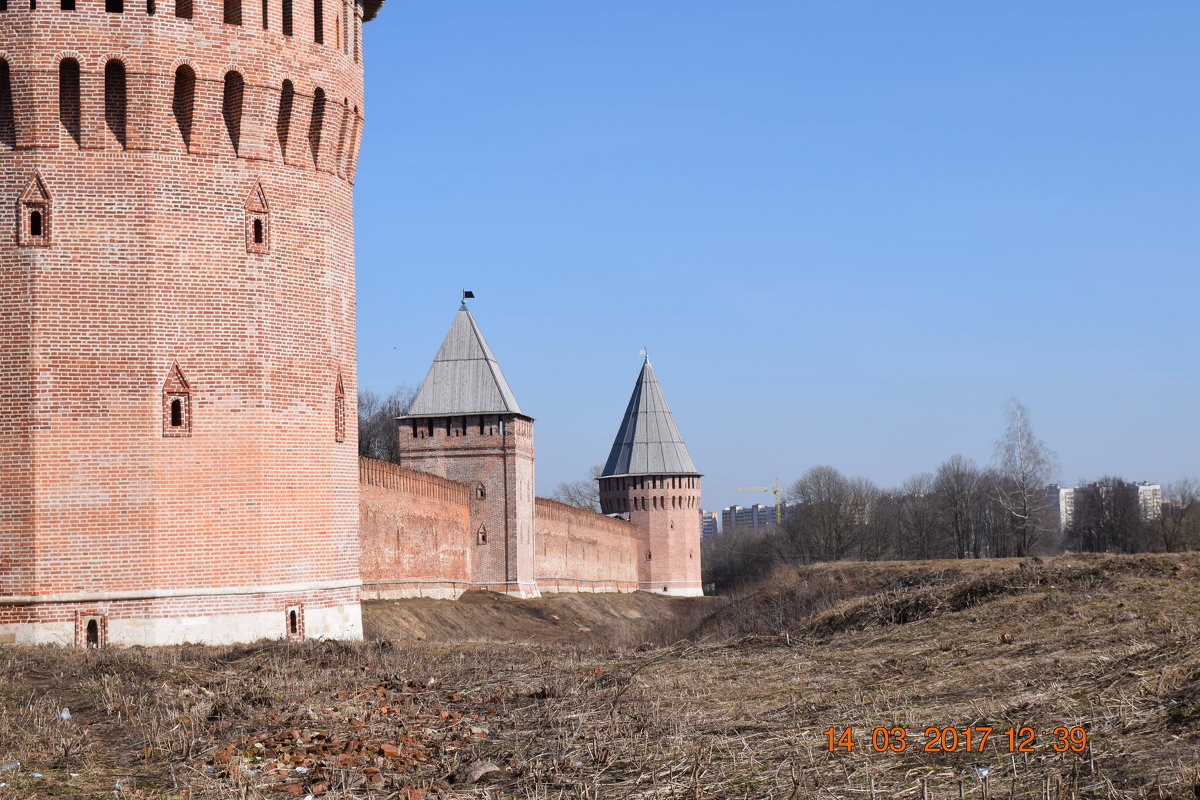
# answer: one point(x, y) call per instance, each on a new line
point(465, 424)
point(650, 478)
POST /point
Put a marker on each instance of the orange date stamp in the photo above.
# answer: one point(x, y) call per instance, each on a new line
point(959, 740)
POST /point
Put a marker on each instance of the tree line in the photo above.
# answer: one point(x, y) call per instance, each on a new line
point(961, 510)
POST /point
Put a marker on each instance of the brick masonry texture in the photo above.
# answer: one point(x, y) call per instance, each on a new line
point(177, 353)
point(665, 509)
point(145, 264)
point(514, 542)
point(415, 532)
point(578, 550)
point(493, 455)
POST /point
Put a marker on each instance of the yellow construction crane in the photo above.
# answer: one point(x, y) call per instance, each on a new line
point(777, 489)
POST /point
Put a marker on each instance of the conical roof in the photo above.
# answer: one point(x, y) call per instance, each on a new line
point(464, 377)
point(648, 441)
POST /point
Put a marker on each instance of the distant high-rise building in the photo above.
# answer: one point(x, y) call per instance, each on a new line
point(755, 516)
point(1149, 498)
point(708, 524)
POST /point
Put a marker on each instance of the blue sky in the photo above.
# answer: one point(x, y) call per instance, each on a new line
point(846, 232)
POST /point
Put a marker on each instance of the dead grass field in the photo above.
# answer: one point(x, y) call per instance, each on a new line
point(738, 709)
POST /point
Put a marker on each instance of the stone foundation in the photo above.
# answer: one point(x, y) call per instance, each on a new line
point(208, 619)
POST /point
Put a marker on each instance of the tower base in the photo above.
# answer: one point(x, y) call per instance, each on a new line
point(187, 616)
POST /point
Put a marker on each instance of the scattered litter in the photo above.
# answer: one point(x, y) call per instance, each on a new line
point(65, 714)
point(37, 775)
point(983, 772)
point(302, 770)
point(1131, 615)
point(74, 774)
point(9, 766)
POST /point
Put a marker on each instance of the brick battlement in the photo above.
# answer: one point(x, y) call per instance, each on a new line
point(549, 510)
point(386, 475)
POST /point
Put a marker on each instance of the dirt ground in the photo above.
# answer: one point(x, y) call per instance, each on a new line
point(581, 620)
point(740, 708)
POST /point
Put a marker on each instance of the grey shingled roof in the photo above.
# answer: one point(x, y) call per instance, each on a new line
point(464, 377)
point(648, 442)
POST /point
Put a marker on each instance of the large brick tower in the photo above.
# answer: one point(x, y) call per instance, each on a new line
point(649, 478)
point(177, 332)
point(465, 424)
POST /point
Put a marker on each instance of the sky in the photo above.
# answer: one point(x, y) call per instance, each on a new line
point(846, 232)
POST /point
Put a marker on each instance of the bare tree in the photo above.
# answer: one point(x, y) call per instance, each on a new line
point(885, 526)
point(919, 518)
point(1178, 526)
point(990, 519)
point(864, 503)
point(956, 490)
point(1027, 466)
point(378, 434)
point(1108, 516)
point(831, 513)
point(739, 556)
point(583, 493)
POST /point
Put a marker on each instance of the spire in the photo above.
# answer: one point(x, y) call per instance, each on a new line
point(648, 441)
point(465, 377)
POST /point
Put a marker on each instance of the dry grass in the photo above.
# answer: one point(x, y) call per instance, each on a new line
point(738, 711)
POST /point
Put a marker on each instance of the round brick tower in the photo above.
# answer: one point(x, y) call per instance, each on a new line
point(650, 480)
point(177, 331)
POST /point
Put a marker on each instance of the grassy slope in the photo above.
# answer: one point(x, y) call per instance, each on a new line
point(1107, 643)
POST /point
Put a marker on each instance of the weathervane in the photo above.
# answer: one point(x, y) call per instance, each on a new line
point(467, 295)
point(644, 352)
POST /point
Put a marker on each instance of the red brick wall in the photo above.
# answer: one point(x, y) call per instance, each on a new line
point(579, 550)
point(148, 267)
point(414, 532)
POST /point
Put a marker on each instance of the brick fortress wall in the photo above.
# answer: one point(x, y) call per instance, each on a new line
point(415, 532)
point(177, 336)
point(419, 538)
point(581, 551)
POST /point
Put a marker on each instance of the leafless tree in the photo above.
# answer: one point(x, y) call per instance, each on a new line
point(956, 491)
point(1108, 517)
point(1027, 465)
point(739, 556)
point(990, 518)
point(918, 518)
point(1178, 526)
point(864, 506)
point(583, 493)
point(378, 434)
point(885, 526)
point(830, 515)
